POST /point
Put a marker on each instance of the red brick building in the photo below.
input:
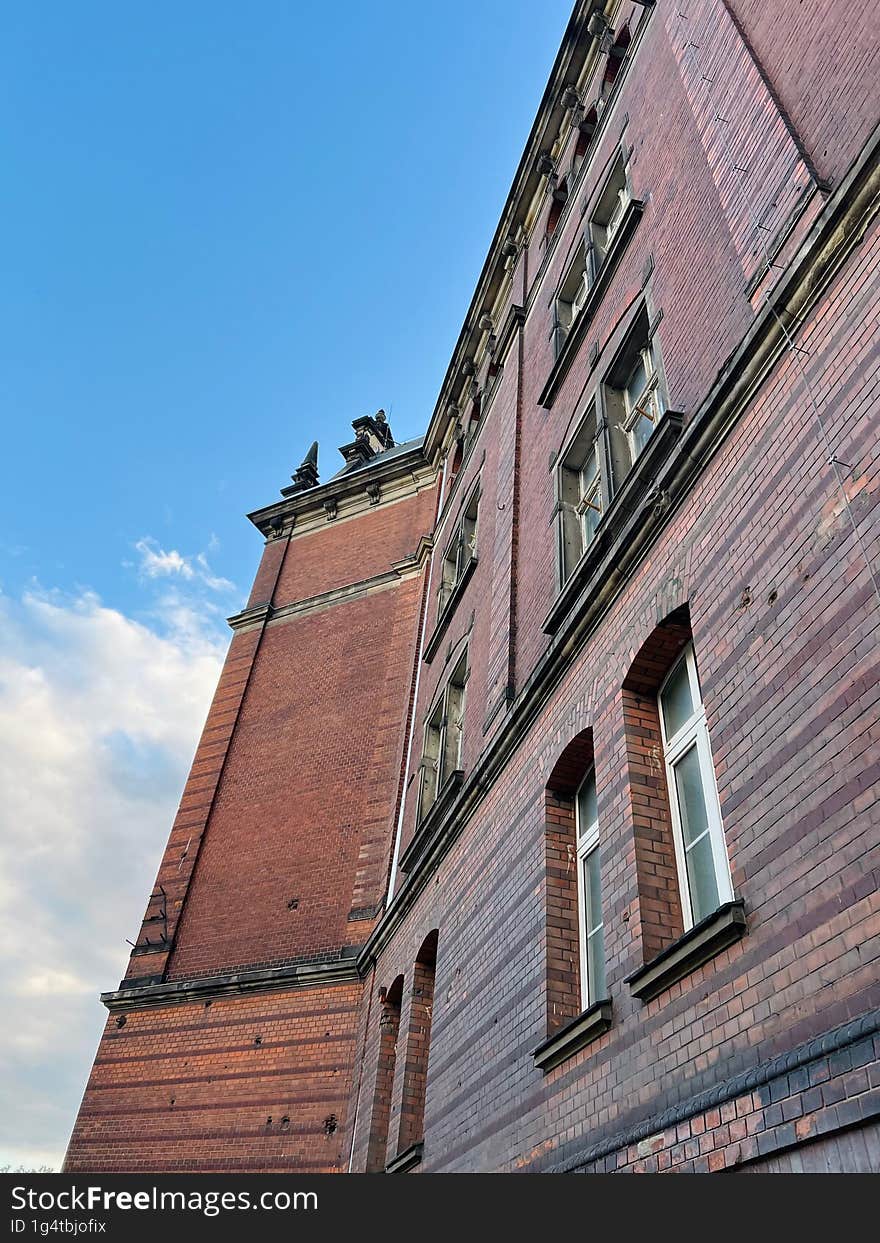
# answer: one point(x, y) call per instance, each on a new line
point(534, 825)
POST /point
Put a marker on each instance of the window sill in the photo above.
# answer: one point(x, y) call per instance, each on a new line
point(574, 1036)
point(629, 496)
point(448, 609)
point(408, 1159)
point(435, 816)
point(698, 945)
point(578, 329)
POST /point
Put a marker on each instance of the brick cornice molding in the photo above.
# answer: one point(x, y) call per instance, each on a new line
point(832, 1041)
point(328, 971)
point(250, 619)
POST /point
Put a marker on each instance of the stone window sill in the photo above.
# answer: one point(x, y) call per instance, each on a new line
point(435, 816)
point(407, 1160)
point(698, 945)
point(448, 609)
point(574, 1036)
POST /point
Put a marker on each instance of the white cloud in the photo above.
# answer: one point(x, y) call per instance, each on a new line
point(156, 562)
point(99, 716)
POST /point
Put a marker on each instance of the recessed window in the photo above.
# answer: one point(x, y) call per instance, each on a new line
point(460, 551)
point(592, 934)
point(580, 487)
point(642, 401)
point(572, 295)
point(701, 852)
point(633, 396)
point(609, 213)
point(443, 735)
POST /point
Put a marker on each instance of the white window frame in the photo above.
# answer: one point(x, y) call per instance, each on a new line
point(587, 842)
point(694, 732)
point(648, 404)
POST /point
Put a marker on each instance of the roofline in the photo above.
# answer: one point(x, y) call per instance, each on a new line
point(565, 70)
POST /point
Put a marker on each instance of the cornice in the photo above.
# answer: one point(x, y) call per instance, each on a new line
point(347, 496)
point(250, 619)
point(327, 971)
point(834, 235)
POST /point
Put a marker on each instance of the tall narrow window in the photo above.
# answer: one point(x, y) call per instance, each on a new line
point(609, 212)
point(592, 934)
point(633, 396)
point(701, 853)
point(642, 400)
point(581, 492)
point(571, 297)
point(460, 552)
point(443, 736)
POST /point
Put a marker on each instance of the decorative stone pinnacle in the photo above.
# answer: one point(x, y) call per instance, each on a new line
point(306, 475)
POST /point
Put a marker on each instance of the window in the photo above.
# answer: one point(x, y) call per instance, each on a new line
point(701, 853)
point(572, 296)
point(578, 1008)
point(590, 255)
point(443, 733)
point(603, 449)
point(586, 130)
point(557, 206)
point(642, 402)
point(460, 551)
point(633, 396)
point(580, 499)
point(592, 935)
point(609, 213)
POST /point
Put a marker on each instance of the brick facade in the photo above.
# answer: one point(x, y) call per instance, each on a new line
point(402, 990)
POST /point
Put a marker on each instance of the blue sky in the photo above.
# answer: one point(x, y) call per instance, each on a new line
point(228, 229)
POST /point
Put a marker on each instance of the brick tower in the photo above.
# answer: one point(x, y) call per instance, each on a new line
point(230, 1042)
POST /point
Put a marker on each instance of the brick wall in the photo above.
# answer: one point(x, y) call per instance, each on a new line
point(257, 1083)
point(785, 625)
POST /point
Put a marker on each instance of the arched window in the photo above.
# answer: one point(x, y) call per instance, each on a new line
point(586, 130)
point(578, 1006)
point(575, 929)
point(557, 206)
point(681, 856)
point(701, 852)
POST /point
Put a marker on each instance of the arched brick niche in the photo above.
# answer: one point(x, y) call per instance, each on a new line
point(389, 1024)
point(418, 1045)
point(659, 897)
point(560, 846)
